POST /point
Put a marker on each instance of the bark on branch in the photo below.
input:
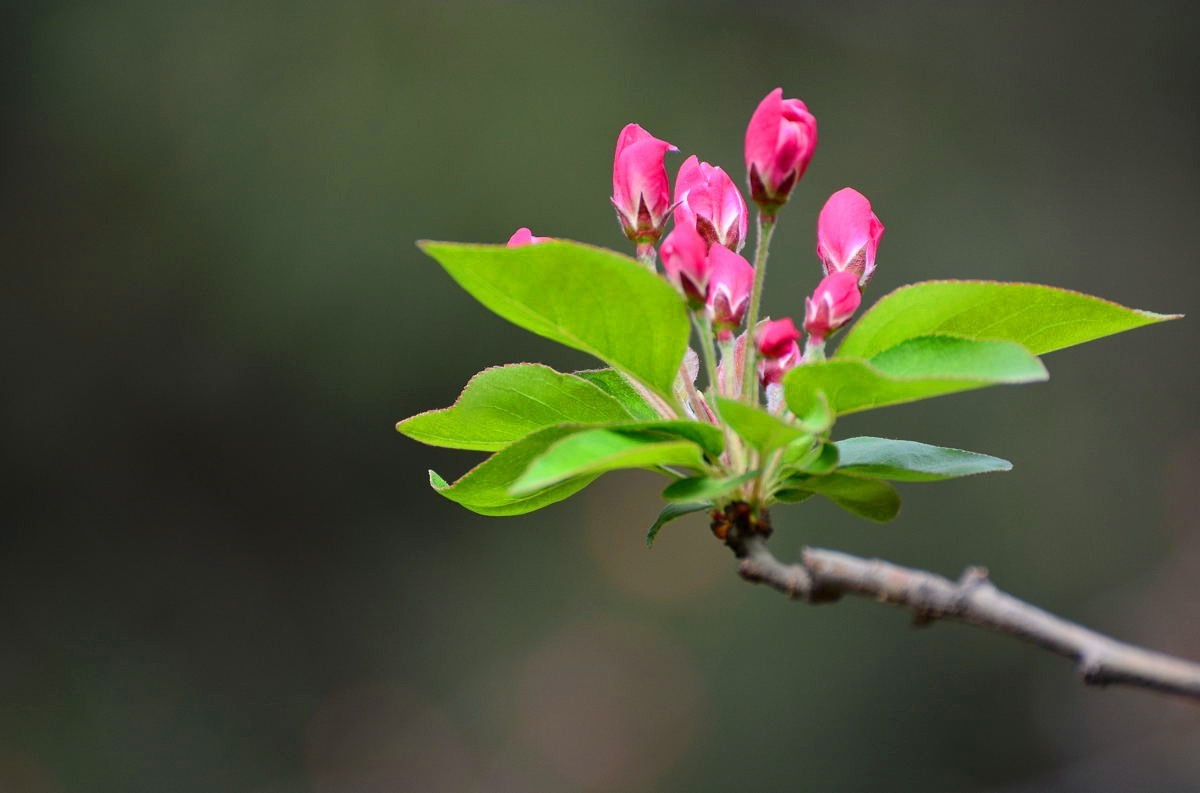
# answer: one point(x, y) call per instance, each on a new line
point(824, 576)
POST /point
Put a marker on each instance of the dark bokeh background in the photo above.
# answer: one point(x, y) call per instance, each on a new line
point(221, 569)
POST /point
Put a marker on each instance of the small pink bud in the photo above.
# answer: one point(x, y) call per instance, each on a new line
point(524, 236)
point(777, 337)
point(730, 281)
point(772, 370)
point(641, 193)
point(832, 305)
point(848, 235)
point(685, 260)
point(707, 198)
point(780, 141)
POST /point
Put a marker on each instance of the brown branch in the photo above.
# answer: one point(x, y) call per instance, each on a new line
point(824, 576)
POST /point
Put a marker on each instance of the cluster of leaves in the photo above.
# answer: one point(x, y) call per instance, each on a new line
point(553, 433)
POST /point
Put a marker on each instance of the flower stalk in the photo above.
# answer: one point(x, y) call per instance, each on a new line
point(764, 229)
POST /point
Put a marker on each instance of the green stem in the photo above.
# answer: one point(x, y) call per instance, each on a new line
point(729, 388)
point(735, 454)
point(703, 325)
point(729, 358)
point(814, 350)
point(766, 227)
point(648, 255)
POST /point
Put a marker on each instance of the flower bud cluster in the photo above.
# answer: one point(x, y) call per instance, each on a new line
point(701, 255)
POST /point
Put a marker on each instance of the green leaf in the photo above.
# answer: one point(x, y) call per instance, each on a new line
point(909, 461)
point(505, 403)
point(613, 383)
point(868, 498)
point(916, 369)
point(669, 513)
point(820, 459)
point(954, 356)
point(819, 418)
point(1039, 318)
point(707, 436)
point(793, 496)
point(588, 298)
point(760, 429)
point(595, 451)
point(485, 488)
point(697, 488)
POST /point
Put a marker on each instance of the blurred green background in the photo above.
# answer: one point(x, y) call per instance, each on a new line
point(222, 570)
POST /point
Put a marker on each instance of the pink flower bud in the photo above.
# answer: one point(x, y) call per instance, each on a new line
point(848, 235)
point(641, 193)
point(780, 141)
point(685, 260)
point(832, 305)
point(772, 370)
point(524, 236)
point(730, 281)
point(707, 198)
point(777, 337)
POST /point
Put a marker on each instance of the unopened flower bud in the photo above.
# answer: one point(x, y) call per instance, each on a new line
point(848, 235)
point(776, 338)
point(730, 281)
point(780, 141)
point(832, 305)
point(524, 236)
point(641, 193)
point(685, 260)
point(707, 198)
point(772, 370)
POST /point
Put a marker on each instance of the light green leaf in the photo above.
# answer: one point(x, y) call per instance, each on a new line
point(1039, 318)
point(792, 496)
point(954, 356)
point(669, 513)
point(802, 448)
point(595, 451)
point(707, 436)
point(613, 383)
point(819, 418)
point(505, 403)
point(760, 429)
point(588, 298)
point(485, 488)
point(819, 459)
point(868, 498)
point(703, 488)
point(915, 369)
point(909, 461)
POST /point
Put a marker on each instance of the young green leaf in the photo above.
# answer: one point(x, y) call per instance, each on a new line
point(818, 459)
point(595, 451)
point(915, 369)
point(485, 488)
point(505, 403)
point(793, 496)
point(669, 513)
point(802, 448)
point(588, 298)
point(613, 383)
point(1039, 318)
point(704, 488)
point(756, 426)
point(955, 356)
point(819, 418)
point(707, 436)
point(909, 461)
point(868, 498)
